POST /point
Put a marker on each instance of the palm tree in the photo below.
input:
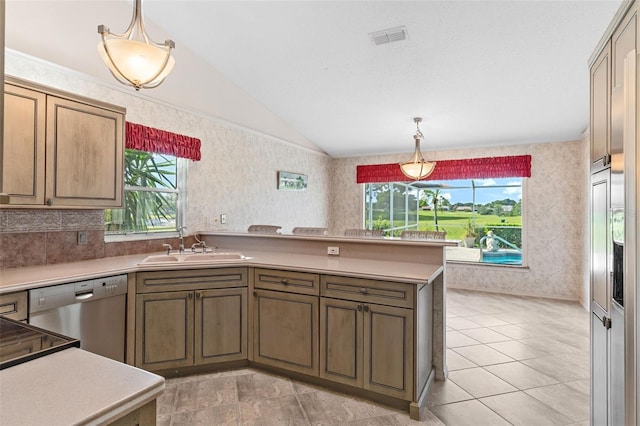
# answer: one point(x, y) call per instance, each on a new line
point(435, 198)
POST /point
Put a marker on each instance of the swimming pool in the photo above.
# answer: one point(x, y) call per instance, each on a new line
point(502, 257)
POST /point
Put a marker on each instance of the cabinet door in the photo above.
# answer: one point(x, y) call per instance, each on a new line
point(600, 239)
point(388, 350)
point(341, 341)
point(164, 330)
point(623, 41)
point(24, 145)
point(600, 109)
point(285, 330)
point(84, 155)
point(220, 325)
point(599, 370)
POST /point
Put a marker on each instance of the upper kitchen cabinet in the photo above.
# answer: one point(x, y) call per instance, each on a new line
point(61, 150)
point(600, 109)
point(623, 42)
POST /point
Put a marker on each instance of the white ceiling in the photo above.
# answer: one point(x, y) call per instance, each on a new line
point(481, 73)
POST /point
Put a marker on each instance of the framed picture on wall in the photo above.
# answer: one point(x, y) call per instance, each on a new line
point(288, 181)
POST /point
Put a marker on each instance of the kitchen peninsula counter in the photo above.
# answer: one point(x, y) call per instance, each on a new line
point(75, 387)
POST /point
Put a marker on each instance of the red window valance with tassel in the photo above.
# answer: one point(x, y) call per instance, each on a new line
point(148, 139)
point(471, 168)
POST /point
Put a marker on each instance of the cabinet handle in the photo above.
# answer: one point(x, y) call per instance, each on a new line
point(359, 307)
point(255, 294)
point(366, 308)
point(606, 322)
point(198, 295)
point(49, 201)
point(190, 295)
point(284, 281)
point(363, 290)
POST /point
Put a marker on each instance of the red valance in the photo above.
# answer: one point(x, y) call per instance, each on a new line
point(148, 139)
point(471, 168)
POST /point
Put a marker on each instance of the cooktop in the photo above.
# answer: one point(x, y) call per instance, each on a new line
point(20, 342)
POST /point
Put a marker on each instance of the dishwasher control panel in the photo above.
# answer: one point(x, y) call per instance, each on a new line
point(45, 298)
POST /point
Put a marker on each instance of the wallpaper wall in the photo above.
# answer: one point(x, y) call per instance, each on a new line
point(554, 215)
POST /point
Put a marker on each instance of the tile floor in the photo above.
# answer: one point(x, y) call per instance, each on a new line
point(512, 361)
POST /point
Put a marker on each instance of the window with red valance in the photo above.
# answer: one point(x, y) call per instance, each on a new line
point(144, 138)
point(471, 168)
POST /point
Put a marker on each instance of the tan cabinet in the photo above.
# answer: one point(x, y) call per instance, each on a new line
point(367, 345)
point(191, 317)
point(285, 330)
point(600, 110)
point(14, 305)
point(24, 145)
point(61, 150)
point(285, 319)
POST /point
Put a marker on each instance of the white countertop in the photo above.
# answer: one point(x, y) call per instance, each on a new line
point(39, 276)
point(73, 387)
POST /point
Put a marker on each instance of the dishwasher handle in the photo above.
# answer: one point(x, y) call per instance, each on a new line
point(84, 296)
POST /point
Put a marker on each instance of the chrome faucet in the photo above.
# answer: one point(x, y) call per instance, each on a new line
point(180, 231)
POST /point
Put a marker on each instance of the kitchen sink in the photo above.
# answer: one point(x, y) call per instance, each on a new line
point(192, 258)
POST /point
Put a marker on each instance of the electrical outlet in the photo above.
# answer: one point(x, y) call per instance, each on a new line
point(83, 238)
point(223, 219)
point(334, 251)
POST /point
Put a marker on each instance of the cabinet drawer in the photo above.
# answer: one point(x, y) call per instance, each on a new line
point(370, 291)
point(291, 282)
point(193, 279)
point(14, 305)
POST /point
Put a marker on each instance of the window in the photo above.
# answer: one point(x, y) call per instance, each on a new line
point(151, 195)
point(490, 208)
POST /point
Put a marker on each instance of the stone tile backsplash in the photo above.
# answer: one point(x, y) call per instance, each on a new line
point(32, 237)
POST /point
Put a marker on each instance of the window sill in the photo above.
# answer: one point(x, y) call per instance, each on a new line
point(118, 238)
point(487, 265)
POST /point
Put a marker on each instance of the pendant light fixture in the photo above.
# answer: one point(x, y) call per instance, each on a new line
point(417, 168)
point(132, 57)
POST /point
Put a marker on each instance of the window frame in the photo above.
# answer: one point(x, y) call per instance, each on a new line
point(181, 203)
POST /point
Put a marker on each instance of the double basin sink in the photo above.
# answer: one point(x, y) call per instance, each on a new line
point(192, 258)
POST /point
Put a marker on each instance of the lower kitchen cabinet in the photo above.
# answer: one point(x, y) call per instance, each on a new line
point(285, 330)
point(367, 345)
point(177, 329)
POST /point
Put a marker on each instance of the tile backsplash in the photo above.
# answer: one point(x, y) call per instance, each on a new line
point(32, 237)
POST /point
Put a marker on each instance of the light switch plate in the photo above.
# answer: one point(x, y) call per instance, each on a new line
point(83, 238)
point(334, 251)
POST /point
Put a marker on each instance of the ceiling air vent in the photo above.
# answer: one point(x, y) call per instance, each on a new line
point(388, 36)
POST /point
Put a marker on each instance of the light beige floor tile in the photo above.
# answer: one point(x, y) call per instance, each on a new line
point(223, 415)
point(468, 413)
point(455, 339)
point(561, 370)
point(518, 350)
point(461, 323)
point(564, 399)
point(446, 392)
point(479, 382)
point(329, 408)
point(513, 331)
point(487, 320)
point(485, 335)
point(164, 420)
point(522, 410)
point(551, 345)
point(166, 401)
point(282, 410)
point(456, 361)
point(520, 375)
point(253, 387)
point(482, 355)
point(583, 385)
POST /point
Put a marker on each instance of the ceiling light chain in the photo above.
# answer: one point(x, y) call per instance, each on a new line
point(132, 61)
point(417, 168)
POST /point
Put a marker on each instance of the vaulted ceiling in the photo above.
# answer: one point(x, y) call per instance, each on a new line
point(480, 73)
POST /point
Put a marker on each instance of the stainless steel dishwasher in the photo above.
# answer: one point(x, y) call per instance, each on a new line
point(92, 311)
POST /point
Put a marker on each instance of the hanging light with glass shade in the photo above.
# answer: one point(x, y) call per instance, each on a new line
point(132, 57)
point(417, 168)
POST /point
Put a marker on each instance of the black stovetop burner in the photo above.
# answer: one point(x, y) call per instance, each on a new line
point(20, 342)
